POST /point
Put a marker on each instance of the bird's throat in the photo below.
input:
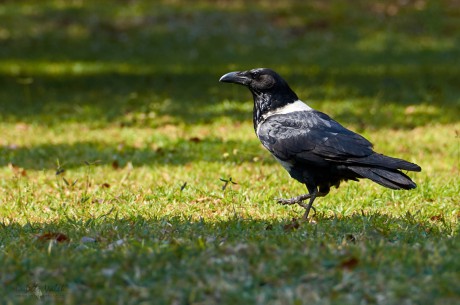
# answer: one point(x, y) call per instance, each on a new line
point(265, 103)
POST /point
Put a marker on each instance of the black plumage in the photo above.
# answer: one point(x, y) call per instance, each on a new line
point(312, 147)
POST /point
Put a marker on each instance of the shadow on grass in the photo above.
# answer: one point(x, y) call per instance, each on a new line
point(375, 101)
point(359, 227)
point(101, 255)
point(173, 153)
point(175, 239)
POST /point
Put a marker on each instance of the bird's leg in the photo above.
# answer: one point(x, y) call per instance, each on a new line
point(299, 200)
point(309, 206)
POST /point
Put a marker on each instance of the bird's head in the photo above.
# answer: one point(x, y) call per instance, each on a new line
point(268, 88)
point(258, 80)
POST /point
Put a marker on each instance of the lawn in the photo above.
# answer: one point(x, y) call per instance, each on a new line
point(118, 144)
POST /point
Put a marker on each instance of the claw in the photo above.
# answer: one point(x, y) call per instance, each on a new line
point(299, 200)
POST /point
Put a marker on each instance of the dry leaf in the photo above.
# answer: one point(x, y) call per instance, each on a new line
point(293, 225)
point(59, 237)
point(115, 164)
point(17, 170)
point(206, 199)
point(350, 238)
point(349, 263)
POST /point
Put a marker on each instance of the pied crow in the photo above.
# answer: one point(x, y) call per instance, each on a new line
point(316, 150)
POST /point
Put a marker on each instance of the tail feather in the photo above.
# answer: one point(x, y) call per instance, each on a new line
point(392, 179)
point(383, 161)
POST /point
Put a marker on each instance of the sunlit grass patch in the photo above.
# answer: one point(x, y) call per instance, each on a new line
point(129, 174)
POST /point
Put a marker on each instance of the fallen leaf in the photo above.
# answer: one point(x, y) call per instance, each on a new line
point(205, 199)
point(59, 237)
point(350, 237)
point(349, 263)
point(293, 225)
point(17, 170)
point(115, 164)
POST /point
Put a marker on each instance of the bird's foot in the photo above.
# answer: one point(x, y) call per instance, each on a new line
point(296, 200)
point(299, 200)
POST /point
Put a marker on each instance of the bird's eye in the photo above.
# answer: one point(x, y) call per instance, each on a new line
point(255, 75)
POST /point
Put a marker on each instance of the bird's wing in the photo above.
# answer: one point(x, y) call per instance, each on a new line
point(311, 136)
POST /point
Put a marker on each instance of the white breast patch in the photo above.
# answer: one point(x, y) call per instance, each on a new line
point(292, 107)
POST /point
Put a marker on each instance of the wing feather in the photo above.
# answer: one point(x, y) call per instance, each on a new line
point(311, 136)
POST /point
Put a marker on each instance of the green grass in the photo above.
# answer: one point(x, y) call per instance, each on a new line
point(116, 133)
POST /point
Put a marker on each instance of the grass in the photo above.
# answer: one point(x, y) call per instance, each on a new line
point(116, 138)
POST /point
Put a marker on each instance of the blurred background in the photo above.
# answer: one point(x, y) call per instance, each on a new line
point(118, 142)
point(374, 64)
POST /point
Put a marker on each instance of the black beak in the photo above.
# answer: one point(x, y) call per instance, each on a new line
point(234, 77)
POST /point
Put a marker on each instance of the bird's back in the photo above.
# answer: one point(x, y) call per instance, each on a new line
point(314, 147)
